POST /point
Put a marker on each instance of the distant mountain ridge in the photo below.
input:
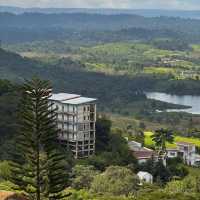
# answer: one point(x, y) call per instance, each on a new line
point(193, 14)
point(28, 27)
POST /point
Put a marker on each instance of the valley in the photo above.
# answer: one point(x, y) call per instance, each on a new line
point(144, 71)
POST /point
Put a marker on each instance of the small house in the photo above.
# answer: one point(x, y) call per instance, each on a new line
point(142, 154)
point(186, 151)
point(145, 177)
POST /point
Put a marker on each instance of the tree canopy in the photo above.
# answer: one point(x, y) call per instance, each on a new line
point(115, 180)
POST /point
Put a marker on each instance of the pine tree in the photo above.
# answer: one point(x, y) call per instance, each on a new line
point(39, 169)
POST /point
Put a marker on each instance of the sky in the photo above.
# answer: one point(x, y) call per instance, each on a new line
point(120, 4)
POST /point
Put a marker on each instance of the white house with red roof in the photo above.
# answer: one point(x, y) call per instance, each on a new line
point(142, 154)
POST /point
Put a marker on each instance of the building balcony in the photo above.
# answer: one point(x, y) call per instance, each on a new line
point(66, 131)
point(69, 113)
point(63, 137)
point(66, 112)
point(70, 121)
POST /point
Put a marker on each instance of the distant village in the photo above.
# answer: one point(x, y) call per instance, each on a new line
point(184, 150)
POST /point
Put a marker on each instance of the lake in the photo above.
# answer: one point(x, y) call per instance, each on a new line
point(186, 100)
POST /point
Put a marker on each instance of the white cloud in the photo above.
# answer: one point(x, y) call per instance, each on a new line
point(166, 4)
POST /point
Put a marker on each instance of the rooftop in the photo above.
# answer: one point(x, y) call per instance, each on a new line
point(74, 99)
point(134, 145)
point(142, 173)
point(11, 195)
point(144, 153)
point(172, 149)
point(79, 100)
point(63, 96)
point(185, 143)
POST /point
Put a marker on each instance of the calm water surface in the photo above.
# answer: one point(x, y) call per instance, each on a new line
point(186, 100)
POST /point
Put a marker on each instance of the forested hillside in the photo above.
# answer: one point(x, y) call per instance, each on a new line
point(68, 75)
point(126, 55)
point(95, 27)
point(192, 14)
point(72, 76)
point(8, 115)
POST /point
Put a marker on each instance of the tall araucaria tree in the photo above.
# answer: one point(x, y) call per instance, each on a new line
point(39, 169)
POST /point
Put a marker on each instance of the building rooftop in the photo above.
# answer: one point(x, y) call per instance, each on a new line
point(142, 173)
point(79, 100)
point(63, 96)
point(172, 149)
point(185, 143)
point(144, 153)
point(133, 145)
point(73, 99)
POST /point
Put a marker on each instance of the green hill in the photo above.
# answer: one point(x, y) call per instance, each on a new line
point(71, 76)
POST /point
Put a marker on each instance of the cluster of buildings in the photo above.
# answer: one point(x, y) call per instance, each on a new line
point(76, 118)
point(184, 150)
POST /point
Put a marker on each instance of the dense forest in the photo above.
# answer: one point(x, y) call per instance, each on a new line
point(94, 27)
point(68, 76)
point(8, 115)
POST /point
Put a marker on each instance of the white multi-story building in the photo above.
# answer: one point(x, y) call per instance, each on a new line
point(76, 117)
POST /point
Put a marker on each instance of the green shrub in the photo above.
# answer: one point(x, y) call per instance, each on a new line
point(115, 181)
point(4, 170)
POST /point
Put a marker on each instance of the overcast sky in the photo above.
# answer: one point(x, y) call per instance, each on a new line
point(131, 4)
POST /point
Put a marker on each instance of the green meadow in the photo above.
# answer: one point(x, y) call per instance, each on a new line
point(149, 142)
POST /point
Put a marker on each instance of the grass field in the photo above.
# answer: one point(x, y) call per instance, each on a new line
point(159, 70)
point(122, 58)
point(149, 142)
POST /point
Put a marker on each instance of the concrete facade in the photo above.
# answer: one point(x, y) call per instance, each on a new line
point(76, 118)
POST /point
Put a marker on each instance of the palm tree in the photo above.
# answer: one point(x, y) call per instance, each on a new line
point(160, 138)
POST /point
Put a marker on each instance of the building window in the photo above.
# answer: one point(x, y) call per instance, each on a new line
point(185, 148)
point(57, 107)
